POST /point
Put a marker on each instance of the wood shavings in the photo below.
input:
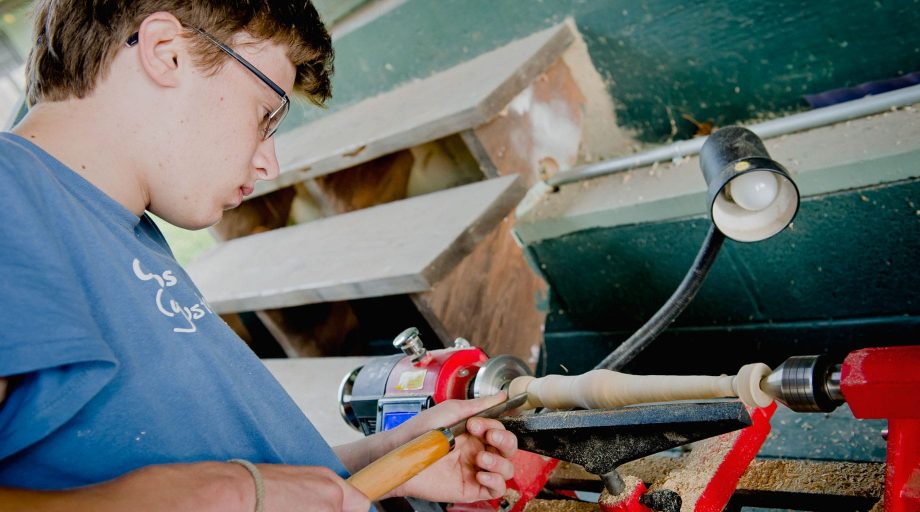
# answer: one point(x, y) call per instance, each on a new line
point(560, 506)
point(630, 483)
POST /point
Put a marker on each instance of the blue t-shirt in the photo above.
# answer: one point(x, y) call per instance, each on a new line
point(115, 359)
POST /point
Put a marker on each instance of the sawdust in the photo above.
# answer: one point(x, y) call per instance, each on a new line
point(512, 496)
point(652, 468)
point(609, 501)
point(782, 476)
point(691, 480)
point(560, 506)
point(837, 478)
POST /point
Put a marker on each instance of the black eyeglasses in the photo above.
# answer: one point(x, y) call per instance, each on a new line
point(272, 120)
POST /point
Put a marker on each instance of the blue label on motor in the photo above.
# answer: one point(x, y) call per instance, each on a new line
point(392, 420)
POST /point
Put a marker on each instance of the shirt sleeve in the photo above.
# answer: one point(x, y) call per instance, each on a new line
point(49, 342)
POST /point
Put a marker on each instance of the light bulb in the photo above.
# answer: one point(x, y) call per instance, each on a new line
point(754, 191)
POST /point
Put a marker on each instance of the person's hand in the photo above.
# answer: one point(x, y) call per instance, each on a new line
point(478, 466)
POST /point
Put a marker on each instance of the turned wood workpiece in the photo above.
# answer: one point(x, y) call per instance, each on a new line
point(602, 389)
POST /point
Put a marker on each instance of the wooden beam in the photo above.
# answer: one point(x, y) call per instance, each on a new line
point(399, 247)
point(540, 131)
point(479, 153)
point(458, 99)
point(493, 298)
point(490, 298)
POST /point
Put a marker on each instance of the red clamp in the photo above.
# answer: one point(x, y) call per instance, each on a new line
point(718, 462)
point(884, 383)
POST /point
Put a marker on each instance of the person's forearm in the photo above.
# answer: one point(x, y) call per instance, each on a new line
point(205, 487)
point(360, 453)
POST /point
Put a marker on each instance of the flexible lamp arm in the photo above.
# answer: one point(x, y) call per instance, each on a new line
point(671, 309)
point(752, 198)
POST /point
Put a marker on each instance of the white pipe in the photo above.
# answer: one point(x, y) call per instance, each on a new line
point(773, 128)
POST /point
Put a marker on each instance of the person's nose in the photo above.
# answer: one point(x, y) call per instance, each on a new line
point(265, 160)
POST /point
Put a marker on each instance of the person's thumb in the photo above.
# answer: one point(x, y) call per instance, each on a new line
point(476, 405)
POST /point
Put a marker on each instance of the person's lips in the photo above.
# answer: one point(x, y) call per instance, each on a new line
point(246, 190)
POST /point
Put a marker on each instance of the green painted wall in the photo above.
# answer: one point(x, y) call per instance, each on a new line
point(844, 277)
point(725, 61)
point(333, 11)
point(850, 254)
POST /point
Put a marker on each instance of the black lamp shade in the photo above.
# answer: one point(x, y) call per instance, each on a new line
point(751, 197)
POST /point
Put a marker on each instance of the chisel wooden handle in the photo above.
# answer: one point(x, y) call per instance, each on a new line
point(397, 467)
point(600, 389)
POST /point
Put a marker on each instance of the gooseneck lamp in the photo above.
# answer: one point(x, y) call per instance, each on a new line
point(751, 198)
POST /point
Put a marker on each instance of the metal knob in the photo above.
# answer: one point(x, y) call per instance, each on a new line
point(409, 342)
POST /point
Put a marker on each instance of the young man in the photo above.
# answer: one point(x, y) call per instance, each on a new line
point(119, 388)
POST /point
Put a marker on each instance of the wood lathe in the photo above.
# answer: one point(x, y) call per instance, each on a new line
point(620, 417)
point(389, 390)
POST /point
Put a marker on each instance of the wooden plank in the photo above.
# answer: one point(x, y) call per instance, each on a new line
point(266, 213)
point(449, 102)
point(479, 153)
point(540, 132)
point(399, 247)
point(804, 482)
point(493, 298)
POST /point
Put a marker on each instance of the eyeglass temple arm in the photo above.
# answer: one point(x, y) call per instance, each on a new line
point(133, 39)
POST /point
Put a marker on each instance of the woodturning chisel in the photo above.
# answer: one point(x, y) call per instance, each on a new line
point(398, 466)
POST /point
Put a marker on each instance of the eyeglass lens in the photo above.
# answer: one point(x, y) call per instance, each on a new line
point(273, 119)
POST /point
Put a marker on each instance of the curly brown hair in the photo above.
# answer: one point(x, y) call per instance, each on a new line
point(76, 41)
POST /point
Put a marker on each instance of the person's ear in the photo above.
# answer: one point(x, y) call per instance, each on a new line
point(161, 48)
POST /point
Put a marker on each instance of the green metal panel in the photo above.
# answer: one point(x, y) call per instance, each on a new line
point(853, 155)
point(715, 349)
point(334, 10)
point(725, 61)
point(850, 254)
